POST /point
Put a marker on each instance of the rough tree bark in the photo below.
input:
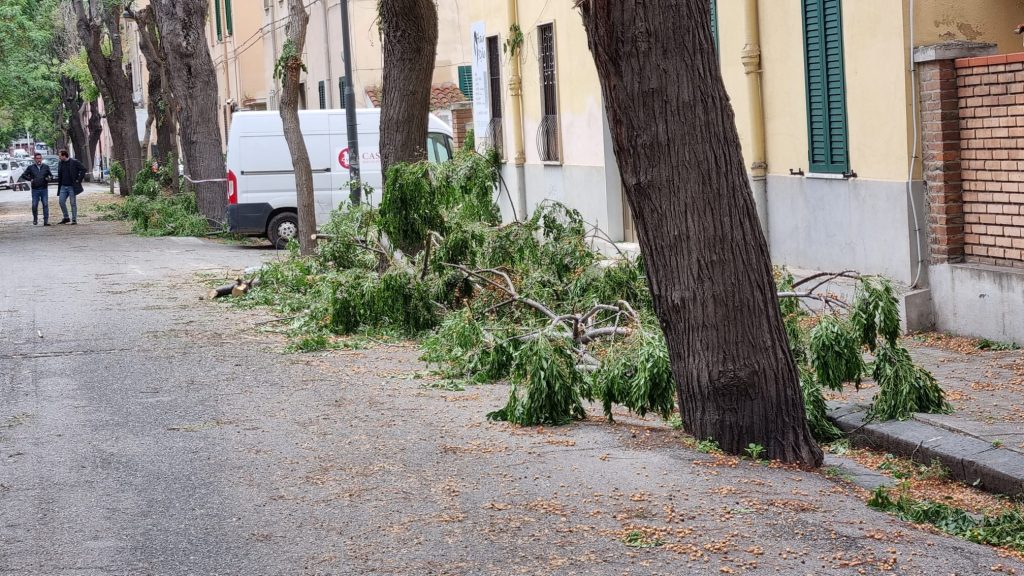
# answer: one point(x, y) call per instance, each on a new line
point(99, 27)
point(409, 38)
point(290, 69)
point(707, 261)
point(71, 97)
point(161, 103)
point(193, 81)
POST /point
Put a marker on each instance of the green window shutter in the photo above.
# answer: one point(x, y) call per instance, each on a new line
point(714, 21)
point(341, 92)
point(323, 95)
point(227, 17)
point(216, 18)
point(466, 81)
point(827, 127)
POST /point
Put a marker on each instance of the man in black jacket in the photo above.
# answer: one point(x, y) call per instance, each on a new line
point(70, 174)
point(39, 175)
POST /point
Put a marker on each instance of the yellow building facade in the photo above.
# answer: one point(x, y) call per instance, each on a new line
point(325, 66)
point(872, 218)
point(539, 99)
point(553, 132)
point(234, 33)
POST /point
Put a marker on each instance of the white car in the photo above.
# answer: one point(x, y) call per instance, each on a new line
point(261, 179)
point(10, 171)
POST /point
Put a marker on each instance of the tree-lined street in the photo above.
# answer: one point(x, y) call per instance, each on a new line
point(546, 302)
point(148, 432)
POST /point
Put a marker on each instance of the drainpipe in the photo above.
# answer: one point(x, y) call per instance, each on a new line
point(515, 88)
point(273, 47)
point(329, 93)
point(227, 88)
point(751, 58)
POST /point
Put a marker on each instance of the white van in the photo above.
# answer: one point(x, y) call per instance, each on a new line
point(261, 179)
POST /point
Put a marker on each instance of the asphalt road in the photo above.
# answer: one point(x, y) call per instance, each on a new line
point(144, 431)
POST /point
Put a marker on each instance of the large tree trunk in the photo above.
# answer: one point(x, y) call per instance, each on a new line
point(95, 126)
point(707, 261)
point(99, 26)
point(409, 38)
point(193, 82)
point(161, 103)
point(73, 109)
point(290, 67)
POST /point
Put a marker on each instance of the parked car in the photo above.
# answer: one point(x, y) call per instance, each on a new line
point(10, 171)
point(7, 178)
point(261, 179)
point(52, 161)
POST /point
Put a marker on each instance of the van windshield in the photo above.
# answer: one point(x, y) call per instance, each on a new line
point(438, 147)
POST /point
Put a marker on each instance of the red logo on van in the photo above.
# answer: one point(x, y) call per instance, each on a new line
point(343, 159)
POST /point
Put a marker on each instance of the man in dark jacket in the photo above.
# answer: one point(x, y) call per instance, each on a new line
point(70, 174)
point(39, 175)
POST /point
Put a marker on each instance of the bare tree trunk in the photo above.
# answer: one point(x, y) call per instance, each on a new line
point(147, 137)
point(409, 32)
point(72, 99)
point(707, 261)
point(95, 126)
point(67, 45)
point(290, 69)
point(193, 82)
point(99, 26)
point(161, 103)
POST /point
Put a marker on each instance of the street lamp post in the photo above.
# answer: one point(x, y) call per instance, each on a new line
point(355, 191)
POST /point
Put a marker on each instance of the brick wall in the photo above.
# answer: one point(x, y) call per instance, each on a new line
point(462, 122)
point(990, 95)
point(940, 126)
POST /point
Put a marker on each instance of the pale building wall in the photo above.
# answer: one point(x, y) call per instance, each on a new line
point(976, 20)
point(323, 51)
point(582, 179)
point(238, 59)
point(246, 54)
point(877, 98)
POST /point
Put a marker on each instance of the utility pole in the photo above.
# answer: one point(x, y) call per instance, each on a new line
point(350, 110)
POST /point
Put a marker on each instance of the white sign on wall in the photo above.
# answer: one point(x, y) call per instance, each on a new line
point(481, 109)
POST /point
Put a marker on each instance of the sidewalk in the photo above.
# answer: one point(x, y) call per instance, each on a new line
point(982, 441)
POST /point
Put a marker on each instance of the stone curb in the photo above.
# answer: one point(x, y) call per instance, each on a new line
point(969, 459)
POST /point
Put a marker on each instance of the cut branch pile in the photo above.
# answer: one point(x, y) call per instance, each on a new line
point(533, 304)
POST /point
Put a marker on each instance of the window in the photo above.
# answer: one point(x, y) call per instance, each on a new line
point(494, 129)
point(227, 17)
point(323, 95)
point(438, 148)
point(216, 19)
point(341, 91)
point(714, 21)
point(547, 137)
point(827, 128)
point(466, 81)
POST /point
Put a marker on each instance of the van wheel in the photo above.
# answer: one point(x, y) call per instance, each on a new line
point(283, 228)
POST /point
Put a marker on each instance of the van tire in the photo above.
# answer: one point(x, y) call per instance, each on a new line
point(283, 228)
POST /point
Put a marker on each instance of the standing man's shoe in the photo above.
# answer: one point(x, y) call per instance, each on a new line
point(46, 223)
point(74, 222)
point(65, 221)
point(35, 222)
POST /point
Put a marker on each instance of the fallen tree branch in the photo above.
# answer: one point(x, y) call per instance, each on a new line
point(596, 333)
point(829, 276)
point(273, 320)
point(827, 300)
